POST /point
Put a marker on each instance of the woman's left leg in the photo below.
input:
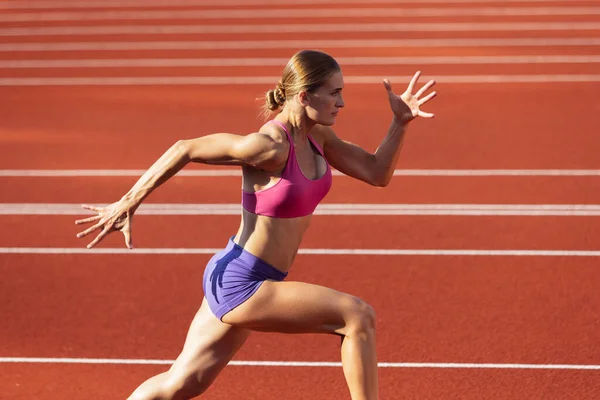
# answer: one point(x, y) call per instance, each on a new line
point(297, 307)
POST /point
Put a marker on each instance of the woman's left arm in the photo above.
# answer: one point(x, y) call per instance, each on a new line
point(377, 168)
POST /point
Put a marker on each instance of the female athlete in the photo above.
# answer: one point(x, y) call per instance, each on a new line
point(286, 173)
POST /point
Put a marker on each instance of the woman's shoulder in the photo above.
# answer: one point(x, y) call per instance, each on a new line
point(275, 132)
point(275, 148)
point(321, 134)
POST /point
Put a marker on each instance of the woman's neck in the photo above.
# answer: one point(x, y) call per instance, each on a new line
point(301, 124)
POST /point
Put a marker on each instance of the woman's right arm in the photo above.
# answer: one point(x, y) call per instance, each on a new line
point(257, 149)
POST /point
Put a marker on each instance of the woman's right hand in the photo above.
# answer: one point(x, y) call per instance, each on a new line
point(114, 217)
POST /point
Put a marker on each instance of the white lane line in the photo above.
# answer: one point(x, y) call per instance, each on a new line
point(370, 252)
point(532, 210)
point(297, 44)
point(268, 80)
point(296, 13)
point(32, 5)
point(227, 172)
point(280, 62)
point(116, 361)
point(294, 28)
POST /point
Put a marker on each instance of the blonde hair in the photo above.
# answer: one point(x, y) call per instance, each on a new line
point(306, 70)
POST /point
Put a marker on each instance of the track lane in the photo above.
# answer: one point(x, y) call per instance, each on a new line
point(314, 12)
point(401, 190)
point(352, 70)
point(366, 232)
point(79, 127)
point(245, 4)
point(294, 19)
point(304, 383)
point(430, 309)
point(53, 6)
point(285, 52)
point(344, 33)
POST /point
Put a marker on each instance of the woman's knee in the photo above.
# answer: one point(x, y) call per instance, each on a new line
point(360, 316)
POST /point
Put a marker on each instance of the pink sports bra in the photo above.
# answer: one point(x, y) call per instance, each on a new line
point(294, 195)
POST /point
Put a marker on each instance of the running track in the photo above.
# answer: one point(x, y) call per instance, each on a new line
point(516, 127)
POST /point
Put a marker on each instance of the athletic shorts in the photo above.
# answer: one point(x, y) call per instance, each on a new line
point(232, 276)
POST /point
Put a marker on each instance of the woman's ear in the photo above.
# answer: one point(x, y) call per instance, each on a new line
point(303, 98)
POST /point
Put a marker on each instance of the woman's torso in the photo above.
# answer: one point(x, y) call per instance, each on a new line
point(276, 240)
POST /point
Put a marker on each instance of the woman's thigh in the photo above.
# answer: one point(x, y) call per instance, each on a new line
point(297, 307)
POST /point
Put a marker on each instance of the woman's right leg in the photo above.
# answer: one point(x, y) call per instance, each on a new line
point(209, 346)
point(296, 307)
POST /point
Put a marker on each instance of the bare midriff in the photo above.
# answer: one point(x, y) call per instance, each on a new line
point(274, 240)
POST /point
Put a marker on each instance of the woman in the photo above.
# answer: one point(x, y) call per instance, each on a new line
point(286, 173)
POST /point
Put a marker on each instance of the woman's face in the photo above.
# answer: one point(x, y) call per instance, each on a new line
point(323, 105)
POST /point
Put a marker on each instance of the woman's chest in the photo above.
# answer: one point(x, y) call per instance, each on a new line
point(310, 162)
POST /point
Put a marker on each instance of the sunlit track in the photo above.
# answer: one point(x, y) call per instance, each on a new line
point(479, 257)
point(407, 190)
point(299, 13)
point(324, 252)
point(263, 80)
point(238, 172)
point(327, 209)
point(486, 144)
point(290, 44)
point(201, 3)
point(249, 363)
point(298, 28)
point(243, 62)
point(406, 232)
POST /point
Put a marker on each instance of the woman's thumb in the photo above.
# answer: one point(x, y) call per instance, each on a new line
point(127, 234)
point(127, 231)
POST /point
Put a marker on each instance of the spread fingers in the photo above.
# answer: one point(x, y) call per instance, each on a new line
point(90, 219)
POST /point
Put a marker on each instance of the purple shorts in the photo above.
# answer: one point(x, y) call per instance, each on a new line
point(232, 276)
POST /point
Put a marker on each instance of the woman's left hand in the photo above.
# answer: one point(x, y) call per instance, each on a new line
point(406, 107)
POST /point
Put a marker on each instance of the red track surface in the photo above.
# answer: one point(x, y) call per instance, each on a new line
point(476, 126)
point(437, 309)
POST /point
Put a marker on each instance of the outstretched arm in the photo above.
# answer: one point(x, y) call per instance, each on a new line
point(378, 168)
point(256, 149)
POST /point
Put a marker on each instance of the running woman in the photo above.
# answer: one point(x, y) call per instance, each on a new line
point(286, 169)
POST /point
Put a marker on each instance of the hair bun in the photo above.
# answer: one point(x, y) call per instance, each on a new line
point(276, 97)
point(279, 93)
point(271, 101)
